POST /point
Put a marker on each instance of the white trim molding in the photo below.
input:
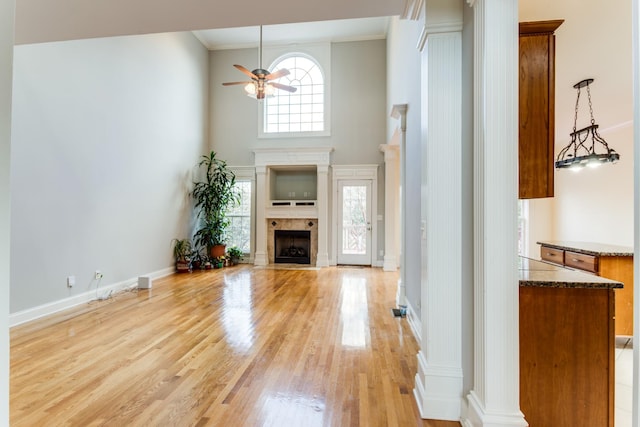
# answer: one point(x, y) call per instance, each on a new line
point(266, 158)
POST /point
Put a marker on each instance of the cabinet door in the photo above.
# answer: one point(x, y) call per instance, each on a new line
point(536, 151)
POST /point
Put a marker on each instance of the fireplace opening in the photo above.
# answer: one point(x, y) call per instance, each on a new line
point(292, 246)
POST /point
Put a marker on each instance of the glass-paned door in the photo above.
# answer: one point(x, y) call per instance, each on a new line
point(354, 222)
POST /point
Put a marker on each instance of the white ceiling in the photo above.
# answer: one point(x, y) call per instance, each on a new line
point(307, 32)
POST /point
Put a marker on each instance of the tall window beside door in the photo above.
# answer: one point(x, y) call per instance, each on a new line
point(239, 231)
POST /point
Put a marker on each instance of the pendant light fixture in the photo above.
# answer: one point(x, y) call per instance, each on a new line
point(582, 150)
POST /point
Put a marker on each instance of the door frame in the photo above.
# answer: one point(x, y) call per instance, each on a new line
point(350, 173)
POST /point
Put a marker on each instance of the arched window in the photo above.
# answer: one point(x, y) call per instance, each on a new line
point(303, 110)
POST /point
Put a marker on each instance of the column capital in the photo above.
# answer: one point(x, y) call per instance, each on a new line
point(391, 151)
point(399, 111)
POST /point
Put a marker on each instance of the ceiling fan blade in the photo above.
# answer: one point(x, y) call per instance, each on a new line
point(235, 83)
point(244, 70)
point(283, 87)
point(277, 74)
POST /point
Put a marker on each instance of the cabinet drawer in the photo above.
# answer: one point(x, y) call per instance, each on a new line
point(552, 255)
point(581, 261)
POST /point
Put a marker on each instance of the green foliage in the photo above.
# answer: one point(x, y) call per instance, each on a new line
point(234, 252)
point(213, 195)
point(181, 249)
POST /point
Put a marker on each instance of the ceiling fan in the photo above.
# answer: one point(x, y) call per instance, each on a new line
point(260, 84)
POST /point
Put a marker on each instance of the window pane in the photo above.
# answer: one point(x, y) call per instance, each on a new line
point(306, 76)
point(239, 231)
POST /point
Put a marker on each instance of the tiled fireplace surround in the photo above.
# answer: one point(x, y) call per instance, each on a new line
point(292, 224)
point(292, 217)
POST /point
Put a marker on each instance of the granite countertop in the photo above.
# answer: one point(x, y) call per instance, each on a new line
point(589, 248)
point(535, 273)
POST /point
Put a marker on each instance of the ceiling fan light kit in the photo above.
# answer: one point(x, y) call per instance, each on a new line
point(260, 85)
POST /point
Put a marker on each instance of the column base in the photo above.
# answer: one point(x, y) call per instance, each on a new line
point(401, 295)
point(322, 260)
point(260, 258)
point(478, 416)
point(438, 391)
point(390, 263)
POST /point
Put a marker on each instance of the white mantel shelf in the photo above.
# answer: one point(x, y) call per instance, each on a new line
point(293, 156)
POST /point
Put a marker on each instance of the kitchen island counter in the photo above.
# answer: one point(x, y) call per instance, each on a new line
point(567, 345)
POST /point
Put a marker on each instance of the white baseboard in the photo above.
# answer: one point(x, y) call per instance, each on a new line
point(34, 313)
point(415, 323)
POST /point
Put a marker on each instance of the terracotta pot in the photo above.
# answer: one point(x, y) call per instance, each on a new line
point(218, 251)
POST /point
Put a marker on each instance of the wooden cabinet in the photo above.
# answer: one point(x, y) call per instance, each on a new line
point(553, 255)
point(536, 152)
point(567, 357)
point(616, 266)
point(581, 261)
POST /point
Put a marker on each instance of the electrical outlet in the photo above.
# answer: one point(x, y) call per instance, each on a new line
point(71, 281)
point(98, 275)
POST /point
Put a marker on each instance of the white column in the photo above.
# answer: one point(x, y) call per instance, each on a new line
point(323, 216)
point(495, 397)
point(439, 381)
point(260, 256)
point(400, 112)
point(636, 213)
point(391, 210)
point(6, 67)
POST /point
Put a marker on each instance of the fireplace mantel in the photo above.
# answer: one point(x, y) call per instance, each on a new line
point(268, 161)
point(293, 156)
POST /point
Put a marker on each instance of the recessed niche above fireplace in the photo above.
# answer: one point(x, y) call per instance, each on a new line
point(293, 183)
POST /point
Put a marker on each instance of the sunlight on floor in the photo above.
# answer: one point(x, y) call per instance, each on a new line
point(237, 315)
point(286, 410)
point(354, 312)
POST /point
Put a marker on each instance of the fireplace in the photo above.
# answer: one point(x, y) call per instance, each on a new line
point(292, 246)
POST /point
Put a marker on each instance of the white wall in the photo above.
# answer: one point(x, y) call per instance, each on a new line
point(358, 116)
point(358, 111)
point(594, 41)
point(105, 133)
point(46, 20)
point(404, 88)
point(6, 51)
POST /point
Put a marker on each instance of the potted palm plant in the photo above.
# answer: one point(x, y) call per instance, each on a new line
point(213, 194)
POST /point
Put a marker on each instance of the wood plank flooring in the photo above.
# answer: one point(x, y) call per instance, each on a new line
point(240, 346)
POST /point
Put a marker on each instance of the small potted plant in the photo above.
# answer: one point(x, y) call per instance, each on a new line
point(234, 254)
point(197, 260)
point(182, 250)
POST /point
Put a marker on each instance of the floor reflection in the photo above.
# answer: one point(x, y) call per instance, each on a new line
point(354, 311)
point(237, 314)
point(286, 410)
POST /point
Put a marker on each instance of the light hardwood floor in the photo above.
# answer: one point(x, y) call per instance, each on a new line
point(240, 346)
